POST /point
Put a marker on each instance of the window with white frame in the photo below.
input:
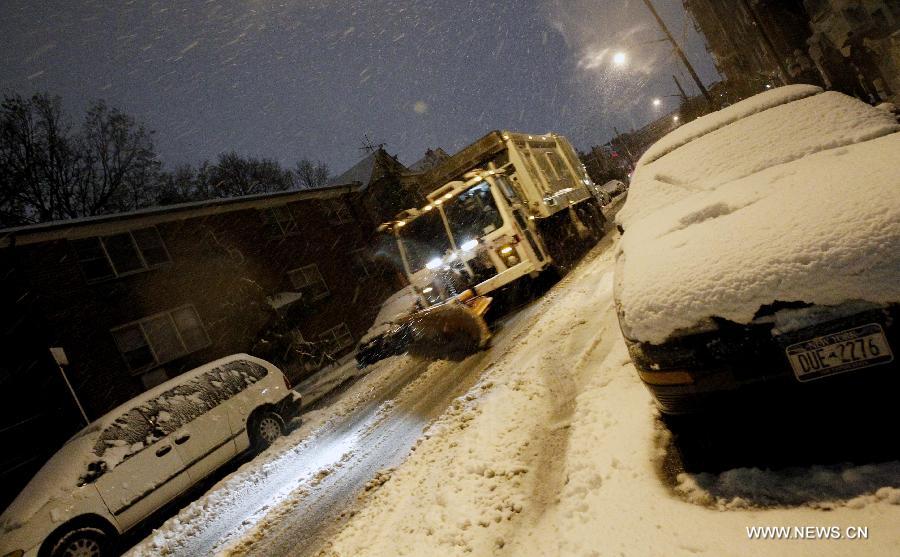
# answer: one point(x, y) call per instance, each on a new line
point(336, 339)
point(309, 281)
point(280, 221)
point(337, 211)
point(160, 338)
point(116, 255)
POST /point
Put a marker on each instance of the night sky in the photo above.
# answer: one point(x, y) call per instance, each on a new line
point(294, 79)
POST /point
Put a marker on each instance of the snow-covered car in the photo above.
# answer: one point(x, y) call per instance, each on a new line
point(606, 193)
point(760, 260)
point(614, 188)
point(138, 457)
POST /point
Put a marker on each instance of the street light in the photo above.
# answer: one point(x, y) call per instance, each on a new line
point(657, 102)
point(619, 58)
point(675, 118)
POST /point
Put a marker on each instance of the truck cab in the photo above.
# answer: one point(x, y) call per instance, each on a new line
point(472, 235)
point(515, 205)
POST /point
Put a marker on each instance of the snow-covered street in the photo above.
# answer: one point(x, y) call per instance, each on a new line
point(451, 279)
point(544, 444)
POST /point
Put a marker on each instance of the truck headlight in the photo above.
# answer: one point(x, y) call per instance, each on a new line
point(508, 254)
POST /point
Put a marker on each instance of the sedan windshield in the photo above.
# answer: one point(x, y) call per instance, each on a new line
point(473, 213)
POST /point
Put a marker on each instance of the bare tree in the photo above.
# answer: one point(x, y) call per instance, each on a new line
point(40, 164)
point(311, 174)
point(121, 160)
point(48, 172)
point(234, 175)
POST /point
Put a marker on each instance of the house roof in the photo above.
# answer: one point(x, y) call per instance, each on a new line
point(360, 173)
point(430, 159)
point(117, 222)
point(368, 169)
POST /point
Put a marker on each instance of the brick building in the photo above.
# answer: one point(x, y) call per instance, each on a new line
point(137, 298)
point(382, 192)
point(751, 41)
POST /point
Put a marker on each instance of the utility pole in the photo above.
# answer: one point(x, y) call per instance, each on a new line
point(681, 54)
point(767, 42)
point(680, 88)
point(628, 156)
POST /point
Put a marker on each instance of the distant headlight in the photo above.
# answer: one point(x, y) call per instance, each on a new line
point(469, 245)
point(434, 264)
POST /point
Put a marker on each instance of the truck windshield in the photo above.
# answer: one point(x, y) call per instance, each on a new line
point(473, 213)
point(424, 239)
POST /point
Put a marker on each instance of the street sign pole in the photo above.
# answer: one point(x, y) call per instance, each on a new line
point(59, 356)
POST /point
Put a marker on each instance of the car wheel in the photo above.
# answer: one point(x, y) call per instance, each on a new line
point(267, 427)
point(82, 542)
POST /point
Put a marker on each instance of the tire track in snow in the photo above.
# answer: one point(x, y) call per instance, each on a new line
point(561, 383)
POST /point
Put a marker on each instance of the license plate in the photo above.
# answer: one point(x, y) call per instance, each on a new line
point(856, 348)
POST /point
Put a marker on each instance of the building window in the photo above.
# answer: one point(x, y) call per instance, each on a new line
point(309, 280)
point(280, 221)
point(336, 339)
point(116, 255)
point(336, 211)
point(160, 338)
point(361, 264)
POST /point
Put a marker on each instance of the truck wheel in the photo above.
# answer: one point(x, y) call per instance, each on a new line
point(592, 218)
point(598, 221)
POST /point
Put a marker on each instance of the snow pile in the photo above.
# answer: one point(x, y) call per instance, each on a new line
point(399, 304)
point(798, 202)
point(327, 379)
point(819, 486)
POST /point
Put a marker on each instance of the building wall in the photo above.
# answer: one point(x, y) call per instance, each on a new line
point(224, 265)
point(737, 44)
point(879, 20)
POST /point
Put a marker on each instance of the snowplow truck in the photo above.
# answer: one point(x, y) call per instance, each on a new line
point(509, 206)
point(515, 205)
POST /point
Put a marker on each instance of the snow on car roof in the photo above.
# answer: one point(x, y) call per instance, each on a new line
point(110, 416)
point(798, 202)
point(711, 122)
point(775, 136)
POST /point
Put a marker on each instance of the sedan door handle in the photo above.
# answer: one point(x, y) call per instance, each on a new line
point(162, 451)
point(182, 439)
